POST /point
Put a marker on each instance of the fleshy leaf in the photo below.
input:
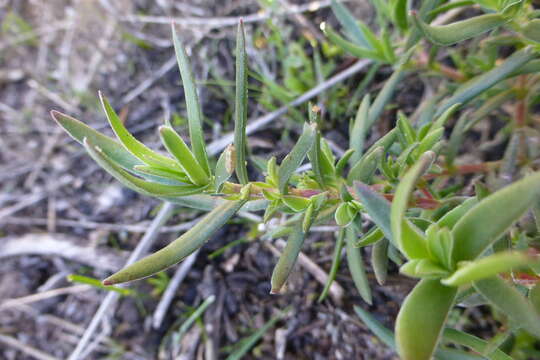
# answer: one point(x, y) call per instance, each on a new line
point(351, 48)
point(356, 265)
point(178, 148)
point(480, 83)
point(422, 318)
point(483, 224)
point(379, 260)
point(225, 166)
point(461, 30)
point(133, 145)
point(358, 130)
point(241, 103)
point(180, 248)
point(294, 159)
point(193, 107)
point(486, 267)
point(79, 131)
point(474, 343)
point(412, 246)
point(376, 206)
point(509, 300)
point(134, 183)
point(286, 261)
point(347, 20)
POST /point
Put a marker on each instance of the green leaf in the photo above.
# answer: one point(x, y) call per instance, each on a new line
point(347, 20)
point(510, 301)
point(295, 158)
point(160, 175)
point(178, 148)
point(379, 260)
point(340, 165)
point(241, 104)
point(452, 217)
point(344, 215)
point(365, 168)
point(411, 245)
point(472, 342)
point(531, 30)
point(193, 107)
point(182, 247)
point(483, 224)
point(383, 333)
point(353, 49)
point(372, 237)
point(336, 261)
point(79, 131)
point(534, 297)
point(359, 130)
point(296, 203)
point(356, 265)
point(400, 14)
point(385, 95)
point(461, 30)
point(133, 145)
point(315, 154)
point(440, 244)
point(225, 166)
point(286, 261)
point(486, 267)
point(134, 183)
point(480, 83)
point(376, 206)
point(421, 319)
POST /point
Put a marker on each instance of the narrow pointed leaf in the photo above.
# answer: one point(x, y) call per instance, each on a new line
point(241, 103)
point(336, 261)
point(411, 248)
point(178, 148)
point(400, 14)
point(461, 30)
point(133, 145)
point(193, 107)
point(348, 21)
point(487, 267)
point(452, 217)
point(134, 183)
point(483, 224)
point(385, 95)
point(474, 343)
point(180, 248)
point(480, 83)
point(79, 131)
point(165, 176)
point(365, 168)
point(356, 265)
point(225, 166)
point(422, 318)
point(286, 261)
point(351, 48)
point(511, 302)
point(297, 155)
point(315, 154)
point(376, 206)
point(384, 334)
point(379, 260)
point(358, 131)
